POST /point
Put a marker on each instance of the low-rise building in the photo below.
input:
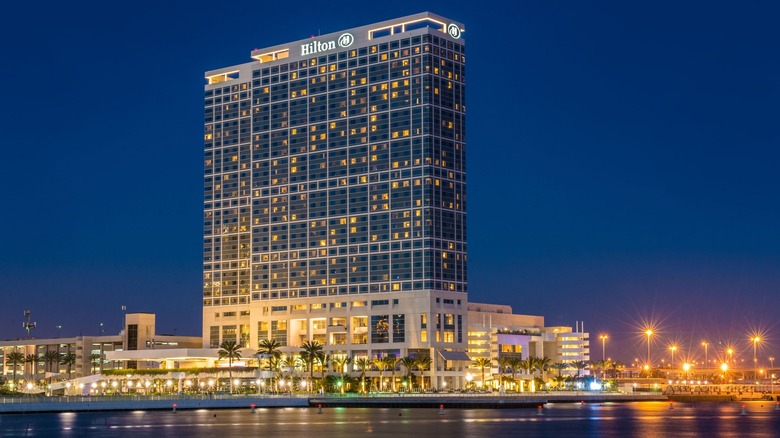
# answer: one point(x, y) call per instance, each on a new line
point(496, 334)
point(80, 356)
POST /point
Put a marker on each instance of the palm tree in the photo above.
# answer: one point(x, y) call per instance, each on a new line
point(51, 357)
point(310, 352)
point(514, 364)
point(598, 365)
point(503, 364)
point(579, 365)
point(33, 359)
point(68, 359)
point(423, 364)
point(560, 366)
point(292, 361)
point(482, 363)
point(542, 364)
point(392, 363)
point(362, 363)
point(14, 358)
point(229, 350)
point(379, 363)
point(270, 348)
point(615, 367)
point(340, 363)
point(94, 359)
point(408, 363)
point(527, 365)
point(324, 360)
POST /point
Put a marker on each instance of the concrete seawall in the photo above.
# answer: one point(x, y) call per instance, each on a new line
point(132, 404)
point(458, 401)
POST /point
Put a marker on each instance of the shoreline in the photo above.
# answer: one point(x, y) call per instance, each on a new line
point(174, 403)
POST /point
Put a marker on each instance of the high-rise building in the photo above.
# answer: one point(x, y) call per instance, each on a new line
point(335, 195)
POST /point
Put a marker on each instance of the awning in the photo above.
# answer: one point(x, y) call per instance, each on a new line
point(454, 355)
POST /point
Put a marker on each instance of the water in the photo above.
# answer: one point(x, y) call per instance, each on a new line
point(639, 419)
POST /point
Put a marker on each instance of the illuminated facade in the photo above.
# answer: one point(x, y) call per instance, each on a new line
point(334, 197)
point(495, 333)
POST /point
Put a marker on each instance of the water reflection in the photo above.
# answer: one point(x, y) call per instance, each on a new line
point(645, 419)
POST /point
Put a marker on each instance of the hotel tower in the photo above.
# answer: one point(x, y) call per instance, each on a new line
point(335, 195)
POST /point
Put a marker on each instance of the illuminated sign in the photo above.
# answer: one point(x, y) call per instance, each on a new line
point(453, 30)
point(345, 40)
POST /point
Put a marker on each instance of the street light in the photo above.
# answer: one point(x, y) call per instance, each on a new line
point(771, 362)
point(705, 344)
point(648, 332)
point(755, 340)
point(686, 368)
point(673, 348)
point(58, 330)
point(603, 347)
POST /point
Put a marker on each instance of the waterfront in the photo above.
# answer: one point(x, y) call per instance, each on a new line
point(645, 419)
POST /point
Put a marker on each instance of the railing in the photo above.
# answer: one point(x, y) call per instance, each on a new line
point(170, 397)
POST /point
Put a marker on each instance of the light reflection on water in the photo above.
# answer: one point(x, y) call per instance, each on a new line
point(645, 419)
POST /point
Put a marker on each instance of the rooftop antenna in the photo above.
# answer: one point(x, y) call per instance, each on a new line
point(27, 324)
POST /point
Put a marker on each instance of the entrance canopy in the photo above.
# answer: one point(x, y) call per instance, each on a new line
point(455, 355)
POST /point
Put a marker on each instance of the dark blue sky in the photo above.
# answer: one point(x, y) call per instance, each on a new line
point(622, 159)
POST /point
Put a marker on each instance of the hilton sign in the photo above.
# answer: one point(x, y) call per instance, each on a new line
point(345, 40)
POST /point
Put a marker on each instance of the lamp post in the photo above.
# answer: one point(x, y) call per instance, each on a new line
point(686, 368)
point(705, 344)
point(58, 330)
point(673, 349)
point(649, 333)
point(755, 340)
point(603, 347)
point(771, 362)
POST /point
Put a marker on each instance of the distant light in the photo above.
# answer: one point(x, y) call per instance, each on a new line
point(595, 386)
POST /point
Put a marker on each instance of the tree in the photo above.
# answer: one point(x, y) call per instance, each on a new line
point(514, 364)
point(33, 359)
point(392, 363)
point(362, 363)
point(542, 364)
point(408, 363)
point(503, 364)
point(340, 363)
point(423, 364)
point(560, 366)
point(579, 365)
point(615, 367)
point(94, 359)
point(482, 363)
point(324, 360)
point(310, 352)
point(270, 348)
point(51, 357)
point(14, 358)
point(229, 350)
point(526, 365)
point(379, 363)
point(68, 359)
point(597, 365)
point(291, 361)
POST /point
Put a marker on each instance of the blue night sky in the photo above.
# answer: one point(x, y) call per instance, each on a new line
point(622, 159)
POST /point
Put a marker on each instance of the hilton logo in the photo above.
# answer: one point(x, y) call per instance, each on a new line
point(453, 30)
point(345, 40)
